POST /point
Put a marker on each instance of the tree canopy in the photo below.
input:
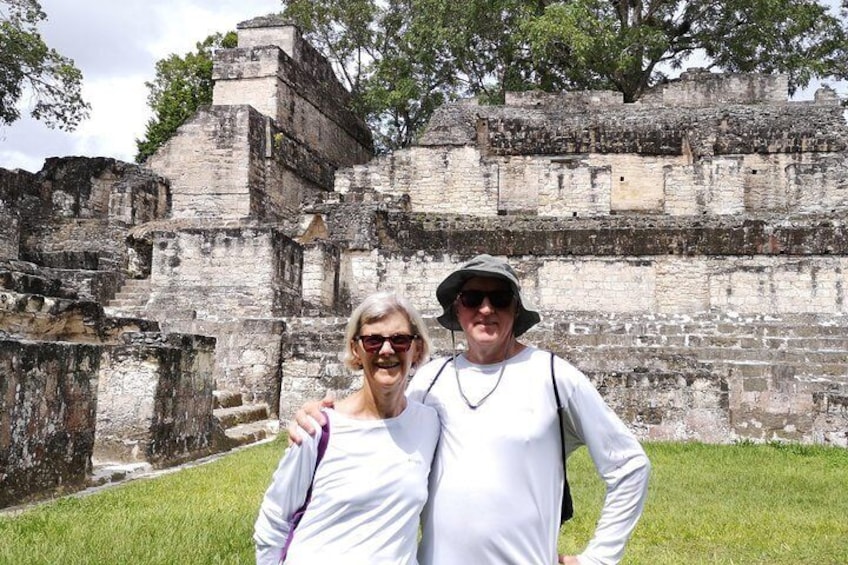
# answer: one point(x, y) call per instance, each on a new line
point(28, 66)
point(402, 58)
point(180, 87)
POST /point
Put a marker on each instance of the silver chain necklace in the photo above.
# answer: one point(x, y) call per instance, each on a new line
point(488, 394)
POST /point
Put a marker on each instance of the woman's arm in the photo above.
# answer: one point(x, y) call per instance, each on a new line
point(286, 494)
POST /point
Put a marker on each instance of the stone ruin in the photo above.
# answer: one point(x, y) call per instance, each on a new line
point(688, 252)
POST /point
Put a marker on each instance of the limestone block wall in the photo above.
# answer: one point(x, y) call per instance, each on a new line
point(94, 188)
point(616, 264)
point(460, 179)
point(247, 355)
point(709, 377)
point(695, 87)
point(47, 416)
point(225, 274)
point(436, 179)
point(713, 377)
point(273, 30)
point(13, 185)
point(75, 214)
point(155, 399)
point(736, 147)
point(296, 176)
point(699, 87)
point(10, 233)
point(310, 362)
point(663, 284)
point(264, 31)
point(215, 163)
point(320, 280)
point(287, 80)
point(248, 360)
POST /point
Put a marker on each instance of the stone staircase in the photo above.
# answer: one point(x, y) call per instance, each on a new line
point(240, 423)
point(131, 300)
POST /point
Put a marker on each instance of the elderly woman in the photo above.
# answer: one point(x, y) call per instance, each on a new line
point(353, 492)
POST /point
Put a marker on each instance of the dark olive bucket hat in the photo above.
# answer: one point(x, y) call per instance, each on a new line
point(488, 267)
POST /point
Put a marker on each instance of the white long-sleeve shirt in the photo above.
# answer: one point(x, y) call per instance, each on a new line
point(367, 496)
point(496, 481)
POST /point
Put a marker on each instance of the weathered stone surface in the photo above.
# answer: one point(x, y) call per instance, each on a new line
point(225, 274)
point(47, 406)
point(284, 77)
point(155, 399)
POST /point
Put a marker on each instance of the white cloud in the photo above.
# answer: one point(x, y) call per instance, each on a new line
point(116, 46)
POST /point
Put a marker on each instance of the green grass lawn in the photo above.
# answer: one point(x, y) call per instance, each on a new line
point(741, 504)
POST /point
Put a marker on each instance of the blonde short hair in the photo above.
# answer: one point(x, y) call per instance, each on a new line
point(376, 307)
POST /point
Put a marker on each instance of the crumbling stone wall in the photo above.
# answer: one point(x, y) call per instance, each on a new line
point(705, 377)
point(247, 355)
point(700, 87)
point(13, 184)
point(155, 399)
point(725, 152)
point(62, 252)
point(311, 363)
point(75, 214)
point(225, 274)
point(283, 77)
point(47, 407)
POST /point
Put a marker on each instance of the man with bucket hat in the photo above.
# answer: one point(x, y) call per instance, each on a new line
point(497, 478)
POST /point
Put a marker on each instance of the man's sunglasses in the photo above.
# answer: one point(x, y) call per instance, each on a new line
point(374, 343)
point(474, 298)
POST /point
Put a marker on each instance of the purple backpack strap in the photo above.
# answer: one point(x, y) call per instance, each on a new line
point(298, 514)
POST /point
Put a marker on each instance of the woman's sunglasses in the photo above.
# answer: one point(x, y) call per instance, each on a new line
point(474, 298)
point(374, 343)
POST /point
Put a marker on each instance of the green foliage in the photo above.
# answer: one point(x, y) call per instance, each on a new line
point(390, 55)
point(767, 504)
point(624, 45)
point(182, 85)
point(402, 58)
point(28, 65)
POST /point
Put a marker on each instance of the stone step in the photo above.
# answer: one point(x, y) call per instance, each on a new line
point(131, 295)
point(226, 398)
point(251, 432)
point(125, 312)
point(121, 302)
point(639, 352)
point(137, 284)
point(797, 326)
point(818, 343)
point(231, 417)
point(134, 292)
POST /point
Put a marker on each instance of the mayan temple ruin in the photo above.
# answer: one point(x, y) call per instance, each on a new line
point(688, 252)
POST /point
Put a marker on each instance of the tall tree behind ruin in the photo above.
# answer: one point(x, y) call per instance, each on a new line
point(625, 45)
point(49, 82)
point(401, 57)
point(181, 86)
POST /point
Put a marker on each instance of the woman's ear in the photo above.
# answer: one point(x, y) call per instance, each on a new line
point(354, 349)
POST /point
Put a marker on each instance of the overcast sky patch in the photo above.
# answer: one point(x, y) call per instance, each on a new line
point(116, 46)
